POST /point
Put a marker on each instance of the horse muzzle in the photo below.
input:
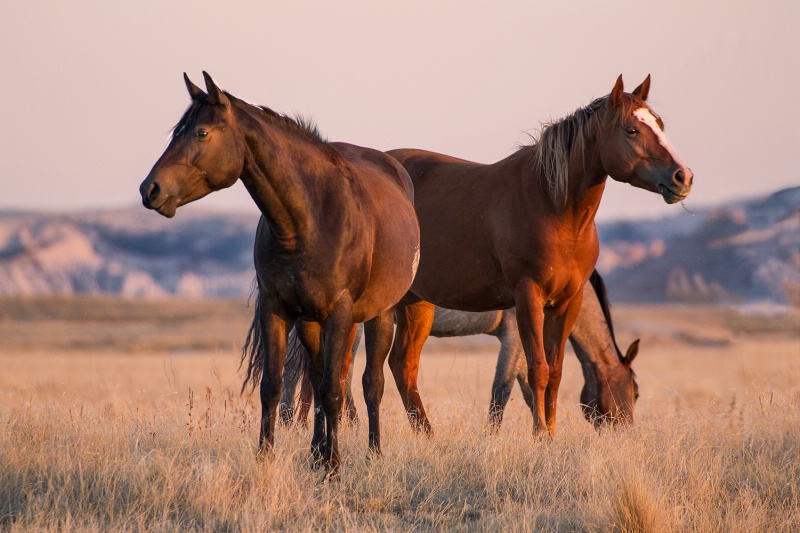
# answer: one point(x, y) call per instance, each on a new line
point(153, 197)
point(679, 188)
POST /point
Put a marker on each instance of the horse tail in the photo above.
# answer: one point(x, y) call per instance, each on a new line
point(599, 287)
point(253, 352)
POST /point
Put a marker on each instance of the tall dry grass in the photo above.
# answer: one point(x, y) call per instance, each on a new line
point(161, 442)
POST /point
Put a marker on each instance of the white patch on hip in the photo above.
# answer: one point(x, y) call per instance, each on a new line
point(645, 116)
point(415, 263)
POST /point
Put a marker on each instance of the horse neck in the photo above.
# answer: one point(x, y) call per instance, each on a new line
point(575, 206)
point(283, 172)
point(592, 340)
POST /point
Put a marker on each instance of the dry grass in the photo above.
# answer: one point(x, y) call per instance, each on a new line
point(159, 440)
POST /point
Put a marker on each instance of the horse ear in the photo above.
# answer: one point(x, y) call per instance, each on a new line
point(630, 355)
point(641, 91)
point(194, 91)
point(215, 94)
point(616, 92)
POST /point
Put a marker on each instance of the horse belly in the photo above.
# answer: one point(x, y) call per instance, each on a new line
point(458, 267)
point(395, 259)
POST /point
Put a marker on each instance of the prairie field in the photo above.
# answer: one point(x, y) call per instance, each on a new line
point(126, 415)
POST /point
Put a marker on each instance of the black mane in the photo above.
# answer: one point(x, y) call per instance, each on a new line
point(302, 126)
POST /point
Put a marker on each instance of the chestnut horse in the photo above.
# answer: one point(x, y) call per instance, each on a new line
point(521, 232)
point(609, 391)
point(337, 243)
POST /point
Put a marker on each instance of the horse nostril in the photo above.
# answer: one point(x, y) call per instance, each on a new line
point(153, 193)
point(683, 177)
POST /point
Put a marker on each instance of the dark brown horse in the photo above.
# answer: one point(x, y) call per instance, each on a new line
point(609, 390)
point(521, 232)
point(337, 243)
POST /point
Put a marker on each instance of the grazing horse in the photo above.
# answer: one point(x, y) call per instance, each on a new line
point(609, 392)
point(521, 232)
point(337, 243)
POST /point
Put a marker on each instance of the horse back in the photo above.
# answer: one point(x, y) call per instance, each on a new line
point(384, 165)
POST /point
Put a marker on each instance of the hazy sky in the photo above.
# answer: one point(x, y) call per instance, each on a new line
point(90, 90)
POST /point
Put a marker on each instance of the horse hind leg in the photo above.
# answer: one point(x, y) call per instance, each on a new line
point(295, 369)
point(507, 368)
point(349, 401)
point(378, 333)
point(414, 322)
point(306, 400)
point(347, 378)
point(509, 362)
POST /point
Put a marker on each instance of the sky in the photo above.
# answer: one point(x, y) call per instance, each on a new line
point(90, 90)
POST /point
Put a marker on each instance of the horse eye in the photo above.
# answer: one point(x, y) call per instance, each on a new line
point(201, 134)
point(631, 131)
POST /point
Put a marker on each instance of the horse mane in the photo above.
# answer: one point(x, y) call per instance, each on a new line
point(552, 147)
point(304, 127)
point(599, 287)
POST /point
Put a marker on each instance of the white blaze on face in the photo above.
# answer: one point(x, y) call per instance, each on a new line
point(645, 116)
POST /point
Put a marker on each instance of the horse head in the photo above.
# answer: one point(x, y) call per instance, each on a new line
point(205, 153)
point(610, 397)
point(634, 149)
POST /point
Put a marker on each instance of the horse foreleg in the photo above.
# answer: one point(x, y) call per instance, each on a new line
point(530, 319)
point(557, 326)
point(273, 329)
point(379, 333)
point(338, 330)
point(414, 322)
point(309, 335)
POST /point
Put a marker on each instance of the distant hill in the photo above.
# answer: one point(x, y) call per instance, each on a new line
point(746, 251)
point(130, 252)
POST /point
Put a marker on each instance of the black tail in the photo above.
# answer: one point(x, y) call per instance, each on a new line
point(599, 287)
point(253, 351)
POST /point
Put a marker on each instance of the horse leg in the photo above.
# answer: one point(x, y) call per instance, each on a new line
point(292, 371)
point(310, 336)
point(347, 372)
point(530, 302)
point(349, 402)
point(557, 326)
point(522, 378)
point(338, 328)
point(305, 400)
point(274, 329)
point(507, 367)
point(378, 333)
point(414, 322)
